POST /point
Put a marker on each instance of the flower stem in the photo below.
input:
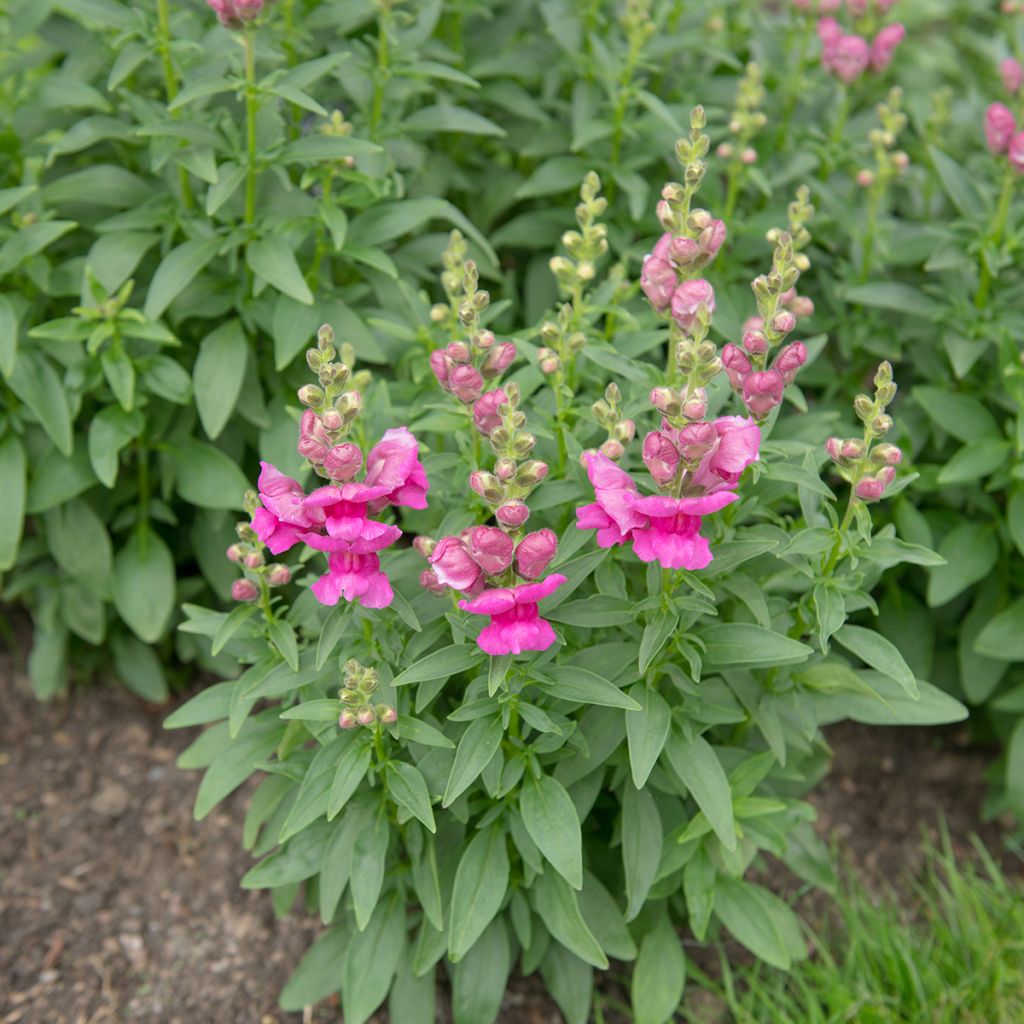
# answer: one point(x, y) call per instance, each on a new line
point(870, 229)
point(381, 76)
point(732, 192)
point(794, 81)
point(265, 606)
point(250, 125)
point(163, 44)
point(995, 236)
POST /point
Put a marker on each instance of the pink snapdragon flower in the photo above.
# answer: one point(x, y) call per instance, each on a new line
point(234, 13)
point(283, 518)
point(486, 410)
point(1000, 127)
point(1015, 152)
point(658, 280)
point(355, 577)
point(688, 299)
point(847, 57)
point(672, 535)
point(1012, 74)
point(883, 48)
point(516, 625)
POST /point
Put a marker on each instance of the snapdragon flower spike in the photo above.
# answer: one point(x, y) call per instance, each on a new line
point(848, 55)
point(236, 13)
point(698, 468)
point(248, 552)
point(356, 694)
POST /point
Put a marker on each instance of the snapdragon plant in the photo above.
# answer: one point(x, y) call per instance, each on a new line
point(566, 721)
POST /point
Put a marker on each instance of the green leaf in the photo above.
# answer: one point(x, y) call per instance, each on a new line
point(971, 551)
point(581, 686)
point(656, 634)
point(208, 705)
point(8, 337)
point(440, 664)
point(696, 763)
point(744, 644)
point(556, 174)
point(138, 667)
point(409, 789)
point(412, 730)
point(659, 977)
point(200, 89)
point(314, 148)
point(47, 662)
point(873, 649)
point(961, 416)
point(80, 544)
point(893, 295)
point(957, 183)
point(36, 383)
point(481, 881)
point(273, 260)
point(1014, 773)
point(206, 477)
point(371, 961)
point(760, 921)
point(110, 431)
point(369, 859)
point(412, 998)
point(974, 461)
point(1003, 637)
point(144, 585)
point(480, 978)
point(218, 374)
point(282, 636)
point(889, 704)
point(646, 731)
point(334, 627)
point(176, 272)
point(445, 118)
point(570, 981)
point(1015, 519)
point(12, 508)
point(313, 710)
point(476, 748)
point(235, 762)
point(551, 820)
point(120, 374)
point(641, 846)
point(558, 908)
point(236, 618)
point(352, 767)
point(318, 973)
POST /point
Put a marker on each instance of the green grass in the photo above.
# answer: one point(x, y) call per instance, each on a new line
point(947, 949)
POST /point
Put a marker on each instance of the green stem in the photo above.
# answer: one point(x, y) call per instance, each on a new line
point(322, 235)
point(265, 606)
point(163, 44)
point(560, 427)
point(621, 106)
point(142, 454)
point(843, 115)
point(250, 125)
point(871, 227)
point(732, 192)
point(995, 236)
point(833, 557)
point(381, 76)
point(794, 81)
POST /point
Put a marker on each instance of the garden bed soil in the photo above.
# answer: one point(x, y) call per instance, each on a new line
point(115, 906)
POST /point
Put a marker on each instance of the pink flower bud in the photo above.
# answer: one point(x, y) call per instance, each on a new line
point(869, 489)
point(531, 473)
point(332, 420)
point(512, 514)
point(1012, 74)
point(458, 352)
point(424, 545)
point(248, 10)
point(834, 448)
point(736, 364)
point(465, 383)
point(658, 280)
point(802, 306)
point(712, 238)
point(683, 251)
point(625, 431)
point(235, 553)
point(505, 469)
point(749, 156)
point(484, 340)
point(441, 365)
point(783, 322)
point(884, 46)
point(386, 714)
point(486, 413)
point(365, 715)
point(453, 565)
point(724, 151)
point(347, 719)
point(244, 590)
point(755, 342)
point(1000, 127)
point(491, 549)
point(342, 462)
point(853, 450)
point(499, 359)
point(613, 449)
point(753, 323)
point(787, 296)
point(829, 30)
point(865, 178)
point(253, 560)
point(696, 440)
point(665, 400)
point(790, 359)
point(661, 457)
point(688, 299)
point(534, 553)
point(429, 581)
point(486, 485)
point(886, 455)
point(279, 575)
point(696, 406)
point(763, 391)
point(847, 58)
point(1015, 152)
point(313, 440)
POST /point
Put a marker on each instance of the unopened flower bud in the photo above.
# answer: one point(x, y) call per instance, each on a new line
point(531, 473)
point(755, 342)
point(244, 590)
point(548, 361)
point(499, 359)
point(424, 545)
point(624, 431)
point(749, 156)
point(311, 395)
point(696, 406)
point(763, 391)
point(666, 400)
point(534, 553)
point(465, 383)
point(429, 581)
point(253, 560)
point(881, 425)
point(661, 457)
point(332, 420)
point(886, 455)
point(347, 719)
point(790, 359)
point(612, 449)
point(854, 450)
point(802, 306)
point(505, 469)
point(724, 151)
point(512, 514)
point(386, 714)
point(235, 553)
point(484, 340)
point(458, 352)
point(487, 411)
point(834, 448)
point(279, 575)
point(487, 485)
point(869, 489)
point(736, 364)
point(342, 462)
point(865, 178)
point(783, 322)
point(365, 715)
point(864, 407)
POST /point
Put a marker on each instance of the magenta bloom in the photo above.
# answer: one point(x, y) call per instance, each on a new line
point(687, 300)
point(884, 46)
point(534, 553)
point(394, 464)
point(486, 411)
point(672, 534)
point(453, 565)
point(354, 577)
point(284, 518)
point(516, 625)
point(612, 514)
point(658, 280)
point(846, 57)
point(490, 548)
point(763, 391)
point(1000, 127)
point(1012, 74)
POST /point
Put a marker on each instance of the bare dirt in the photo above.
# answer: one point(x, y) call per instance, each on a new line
point(115, 906)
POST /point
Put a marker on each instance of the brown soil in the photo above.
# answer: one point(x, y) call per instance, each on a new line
point(116, 906)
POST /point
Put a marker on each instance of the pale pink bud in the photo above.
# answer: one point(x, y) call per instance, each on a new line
point(534, 553)
point(248, 10)
point(687, 300)
point(550, 364)
point(683, 251)
point(453, 565)
point(658, 280)
point(834, 448)
point(486, 485)
point(712, 238)
point(847, 58)
point(491, 549)
point(458, 352)
point(342, 462)
point(441, 365)
point(512, 514)
point(612, 449)
point(625, 431)
point(753, 323)
point(424, 545)
point(696, 406)
point(829, 30)
point(279, 575)
point(665, 400)
point(347, 719)
point(869, 489)
point(465, 383)
point(531, 473)
point(253, 560)
point(429, 581)
point(386, 714)
point(365, 715)
point(661, 457)
point(857, 7)
point(505, 469)
point(332, 419)
point(853, 450)
point(1015, 152)
point(1012, 74)
point(486, 414)
point(736, 364)
point(884, 46)
point(787, 296)
point(484, 340)
point(244, 590)
point(886, 455)
point(802, 306)
point(235, 553)
point(724, 151)
point(790, 359)
point(749, 156)
point(783, 322)
point(499, 359)
point(1000, 127)
point(865, 178)
point(755, 342)
point(763, 391)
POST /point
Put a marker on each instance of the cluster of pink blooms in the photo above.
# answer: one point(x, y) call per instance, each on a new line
point(668, 274)
point(762, 390)
point(848, 55)
point(1001, 132)
point(336, 518)
point(235, 13)
point(697, 467)
point(461, 372)
point(248, 554)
